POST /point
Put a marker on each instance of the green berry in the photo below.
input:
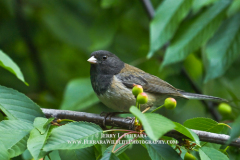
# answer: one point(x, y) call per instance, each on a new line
point(224, 109)
point(189, 156)
point(170, 103)
point(142, 98)
point(137, 89)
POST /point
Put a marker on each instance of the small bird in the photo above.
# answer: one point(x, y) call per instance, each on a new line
point(113, 80)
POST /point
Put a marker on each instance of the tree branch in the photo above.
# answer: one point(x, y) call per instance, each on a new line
point(128, 123)
point(150, 10)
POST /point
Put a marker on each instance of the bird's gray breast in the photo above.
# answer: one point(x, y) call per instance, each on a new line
point(117, 96)
point(100, 82)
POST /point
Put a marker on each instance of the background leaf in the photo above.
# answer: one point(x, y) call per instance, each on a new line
point(235, 131)
point(77, 154)
point(38, 136)
point(109, 3)
point(14, 135)
point(207, 153)
point(7, 63)
point(18, 106)
point(108, 155)
point(27, 155)
point(70, 30)
point(100, 31)
point(123, 156)
point(42, 124)
point(223, 48)
point(234, 8)
point(155, 125)
point(162, 151)
point(187, 132)
point(35, 143)
point(53, 155)
point(203, 124)
point(197, 5)
point(79, 95)
point(70, 135)
point(3, 152)
point(195, 33)
point(165, 22)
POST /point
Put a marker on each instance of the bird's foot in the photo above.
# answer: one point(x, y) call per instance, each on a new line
point(109, 114)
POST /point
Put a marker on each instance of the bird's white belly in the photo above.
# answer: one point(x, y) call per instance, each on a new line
point(118, 98)
point(121, 98)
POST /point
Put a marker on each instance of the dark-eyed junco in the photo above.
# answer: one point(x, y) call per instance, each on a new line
point(113, 80)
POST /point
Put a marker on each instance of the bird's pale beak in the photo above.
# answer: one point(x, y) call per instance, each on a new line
point(92, 60)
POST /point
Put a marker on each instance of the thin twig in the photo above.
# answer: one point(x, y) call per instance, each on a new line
point(149, 8)
point(121, 138)
point(126, 144)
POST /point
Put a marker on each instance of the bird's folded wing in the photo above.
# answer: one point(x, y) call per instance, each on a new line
point(131, 75)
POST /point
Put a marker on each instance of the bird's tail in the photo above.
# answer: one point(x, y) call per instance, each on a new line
point(202, 97)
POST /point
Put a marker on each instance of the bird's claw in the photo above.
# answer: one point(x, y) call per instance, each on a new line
point(109, 114)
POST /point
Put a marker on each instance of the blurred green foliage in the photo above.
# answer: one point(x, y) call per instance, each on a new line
point(9, 65)
point(50, 41)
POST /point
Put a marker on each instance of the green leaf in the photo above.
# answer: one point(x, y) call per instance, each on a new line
point(223, 48)
point(197, 5)
point(100, 31)
point(120, 151)
point(3, 152)
point(70, 30)
point(161, 151)
point(38, 137)
point(108, 155)
point(194, 67)
point(77, 154)
point(27, 155)
point(18, 106)
point(187, 132)
point(19, 147)
point(154, 124)
point(35, 143)
point(79, 95)
point(234, 8)
point(54, 155)
point(207, 153)
point(235, 131)
point(109, 3)
point(203, 124)
point(41, 124)
point(7, 63)
point(165, 23)
point(75, 135)
point(195, 33)
point(1, 116)
point(14, 135)
point(224, 152)
point(98, 150)
point(123, 156)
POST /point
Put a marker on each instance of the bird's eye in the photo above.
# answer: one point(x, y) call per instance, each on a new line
point(104, 57)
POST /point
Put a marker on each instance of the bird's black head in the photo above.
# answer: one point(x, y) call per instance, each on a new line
point(104, 65)
point(104, 62)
